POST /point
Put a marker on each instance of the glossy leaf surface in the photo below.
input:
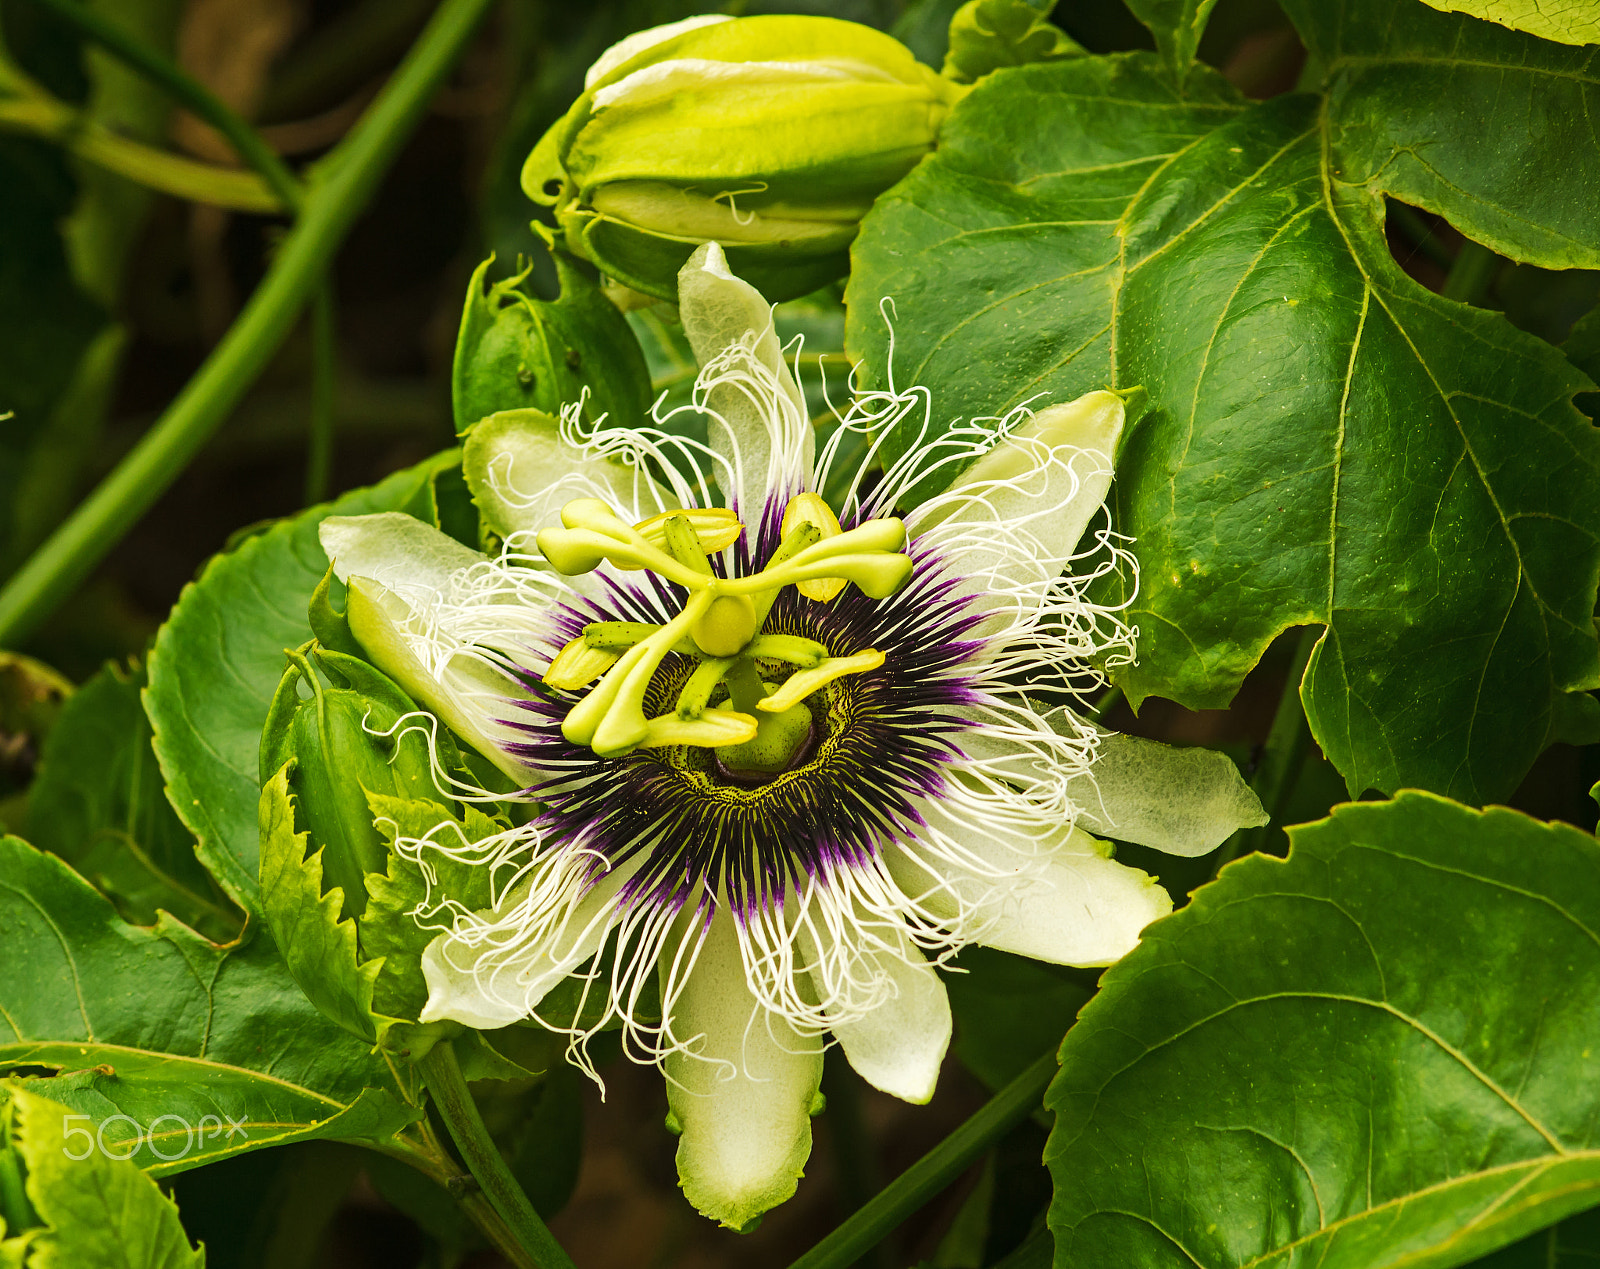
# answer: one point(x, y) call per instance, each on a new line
point(218, 661)
point(149, 1022)
point(1376, 1053)
point(1327, 442)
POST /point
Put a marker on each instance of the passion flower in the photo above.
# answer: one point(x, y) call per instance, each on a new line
point(787, 758)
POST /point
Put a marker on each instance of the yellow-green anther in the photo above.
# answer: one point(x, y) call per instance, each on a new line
point(794, 541)
point(610, 720)
point(809, 508)
point(580, 550)
point(729, 622)
point(804, 682)
point(878, 575)
point(571, 553)
point(715, 527)
point(712, 729)
point(617, 635)
point(683, 544)
point(579, 664)
point(791, 648)
point(695, 694)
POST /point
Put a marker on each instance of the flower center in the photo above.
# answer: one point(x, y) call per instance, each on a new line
point(719, 626)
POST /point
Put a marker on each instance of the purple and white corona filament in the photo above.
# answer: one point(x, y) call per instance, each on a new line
point(785, 758)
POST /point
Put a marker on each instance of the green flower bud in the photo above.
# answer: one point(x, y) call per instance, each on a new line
point(327, 720)
point(769, 135)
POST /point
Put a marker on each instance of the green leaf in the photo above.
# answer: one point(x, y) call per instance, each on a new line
point(1177, 26)
point(99, 1212)
point(319, 948)
point(143, 1023)
point(1327, 442)
point(1567, 21)
point(1378, 1052)
point(1486, 126)
point(988, 34)
point(515, 352)
point(98, 802)
point(218, 660)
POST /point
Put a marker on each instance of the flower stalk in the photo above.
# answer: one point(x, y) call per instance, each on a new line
point(442, 1075)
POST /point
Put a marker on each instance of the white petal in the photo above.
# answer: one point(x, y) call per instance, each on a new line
point(454, 995)
point(397, 550)
point(521, 473)
point(468, 694)
point(630, 46)
point(746, 1113)
point(1180, 801)
point(768, 439)
point(899, 1046)
point(1056, 897)
point(1013, 519)
point(483, 983)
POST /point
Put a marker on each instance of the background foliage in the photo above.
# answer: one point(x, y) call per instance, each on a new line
point(1349, 250)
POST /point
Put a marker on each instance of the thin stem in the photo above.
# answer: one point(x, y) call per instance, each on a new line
point(145, 164)
point(343, 184)
point(319, 450)
point(442, 1074)
point(1471, 273)
point(933, 1172)
point(1283, 756)
point(855, 1161)
point(188, 92)
point(1420, 232)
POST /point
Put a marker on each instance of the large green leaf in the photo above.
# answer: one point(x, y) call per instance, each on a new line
point(143, 1023)
point(1569, 21)
point(1327, 442)
point(96, 1211)
point(1489, 127)
point(217, 662)
point(1379, 1052)
point(98, 802)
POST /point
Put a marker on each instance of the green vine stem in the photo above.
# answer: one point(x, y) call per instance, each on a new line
point(161, 170)
point(1283, 756)
point(188, 92)
point(339, 190)
point(442, 1074)
point(933, 1172)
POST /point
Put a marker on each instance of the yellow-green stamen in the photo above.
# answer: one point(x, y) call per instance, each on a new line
point(767, 725)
